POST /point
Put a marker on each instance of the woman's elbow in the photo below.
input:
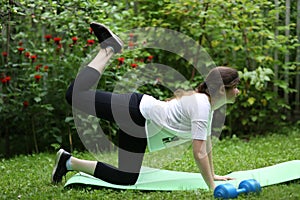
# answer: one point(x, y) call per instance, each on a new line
point(198, 155)
point(199, 149)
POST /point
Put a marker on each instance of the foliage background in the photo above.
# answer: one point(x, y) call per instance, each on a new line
point(250, 36)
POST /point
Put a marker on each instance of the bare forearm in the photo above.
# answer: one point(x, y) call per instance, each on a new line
point(203, 161)
point(205, 170)
point(209, 151)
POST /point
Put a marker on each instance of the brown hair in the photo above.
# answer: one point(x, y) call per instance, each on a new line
point(180, 93)
point(218, 77)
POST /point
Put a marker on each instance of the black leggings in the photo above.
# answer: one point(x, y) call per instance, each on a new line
point(122, 109)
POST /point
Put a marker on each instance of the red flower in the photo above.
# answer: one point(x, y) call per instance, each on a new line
point(37, 77)
point(91, 30)
point(59, 46)
point(131, 44)
point(121, 60)
point(48, 37)
point(33, 58)
point(131, 35)
point(25, 104)
point(27, 54)
point(37, 68)
point(134, 65)
point(6, 79)
point(20, 49)
point(57, 40)
point(46, 68)
point(150, 58)
point(74, 39)
point(4, 54)
point(90, 42)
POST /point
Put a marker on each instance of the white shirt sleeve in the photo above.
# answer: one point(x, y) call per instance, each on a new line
point(199, 130)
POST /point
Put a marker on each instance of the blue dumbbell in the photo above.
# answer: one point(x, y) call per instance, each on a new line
point(227, 190)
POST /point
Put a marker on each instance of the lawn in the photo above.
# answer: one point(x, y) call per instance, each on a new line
point(28, 177)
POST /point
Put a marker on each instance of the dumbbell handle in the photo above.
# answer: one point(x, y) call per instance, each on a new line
point(242, 190)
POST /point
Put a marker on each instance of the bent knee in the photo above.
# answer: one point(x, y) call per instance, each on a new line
point(130, 179)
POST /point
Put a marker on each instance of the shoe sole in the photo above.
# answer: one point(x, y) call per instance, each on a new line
point(118, 40)
point(58, 156)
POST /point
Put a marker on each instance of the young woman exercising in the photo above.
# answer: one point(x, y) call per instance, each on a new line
point(190, 113)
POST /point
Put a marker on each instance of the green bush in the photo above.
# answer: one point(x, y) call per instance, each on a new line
point(44, 44)
point(240, 34)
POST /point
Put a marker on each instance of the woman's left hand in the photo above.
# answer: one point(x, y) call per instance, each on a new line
point(222, 178)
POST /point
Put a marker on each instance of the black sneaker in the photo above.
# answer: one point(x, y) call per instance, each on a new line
point(106, 37)
point(60, 168)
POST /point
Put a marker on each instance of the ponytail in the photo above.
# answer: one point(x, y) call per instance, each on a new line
point(202, 88)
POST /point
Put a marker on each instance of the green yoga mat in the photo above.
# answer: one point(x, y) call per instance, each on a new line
point(157, 179)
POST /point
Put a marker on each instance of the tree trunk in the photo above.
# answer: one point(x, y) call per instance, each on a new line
point(136, 8)
point(70, 139)
point(7, 139)
point(34, 136)
point(297, 99)
point(287, 56)
point(7, 143)
point(275, 89)
point(8, 34)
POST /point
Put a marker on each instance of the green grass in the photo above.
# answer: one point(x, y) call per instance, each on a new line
point(28, 177)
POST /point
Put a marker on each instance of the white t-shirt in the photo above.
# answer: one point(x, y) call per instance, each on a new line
point(189, 117)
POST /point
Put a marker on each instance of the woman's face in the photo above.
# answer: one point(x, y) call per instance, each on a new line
point(231, 94)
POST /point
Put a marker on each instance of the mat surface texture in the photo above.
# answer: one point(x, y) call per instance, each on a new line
point(166, 180)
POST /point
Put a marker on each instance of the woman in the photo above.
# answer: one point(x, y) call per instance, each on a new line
point(190, 114)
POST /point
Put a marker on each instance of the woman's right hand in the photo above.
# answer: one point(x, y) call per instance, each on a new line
point(222, 178)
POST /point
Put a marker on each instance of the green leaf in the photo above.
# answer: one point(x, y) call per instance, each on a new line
point(251, 100)
point(254, 118)
point(69, 119)
point(37, 99)
point(49, 107)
